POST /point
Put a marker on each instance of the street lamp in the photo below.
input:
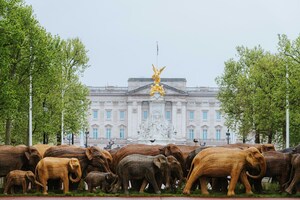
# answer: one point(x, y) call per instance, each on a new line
point(227, 136)
point(45, 136)
point(86, 137)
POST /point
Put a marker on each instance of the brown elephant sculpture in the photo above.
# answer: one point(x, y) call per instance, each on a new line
point(105, 180)
point(92, 156)
point(41, 148)
point(58, 168)
point(223, 162)
point(295, 174)
point(17, 158)
point(19, 178)
point(278, 166)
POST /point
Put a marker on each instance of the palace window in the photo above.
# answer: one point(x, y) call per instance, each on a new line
point(108, 133)
point(95, 114)
point(204, 134)
point(95, 133)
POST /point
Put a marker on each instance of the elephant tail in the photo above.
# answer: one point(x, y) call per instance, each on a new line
point(191, 169)
point(36, 180)
point(285, 185)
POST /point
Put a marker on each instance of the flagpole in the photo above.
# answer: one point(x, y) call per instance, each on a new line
point(156, 53)
point(287, 145)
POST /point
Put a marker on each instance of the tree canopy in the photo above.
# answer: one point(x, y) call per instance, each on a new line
point(29, 55)
point(255, 92)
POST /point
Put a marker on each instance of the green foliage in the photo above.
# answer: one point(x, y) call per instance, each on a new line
point(254, 90)
point(54, 65)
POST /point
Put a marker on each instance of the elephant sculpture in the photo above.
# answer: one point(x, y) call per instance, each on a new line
point(139, 167)
point(19, 178)
point(41, 148)
point(58, 168)
point(87, 156)
point(149, 150)
point(278, 166)
point(91, 157)
point(175, 176)
point(295, 149)
point(19, 157)
point(191, 156)
point(176, 173)
point(261, 147)
point(295, 174)
point(223, 162)
point(108, 157)
point(105, 180)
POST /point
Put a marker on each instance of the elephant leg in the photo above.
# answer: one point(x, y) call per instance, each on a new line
point(233, 181)
point(293, 183)
point(65, 184)
point(24, 186)
point(151, 179)
point(203, 185)
point(12, 189)
point(125, 184)
point(244, 180)
point(44, 183)
point(192, 178)
point(90, 187)
point(7, 186)
point(143, 186)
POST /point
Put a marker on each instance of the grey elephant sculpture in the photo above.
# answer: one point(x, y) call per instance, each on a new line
point(105, 180)
point(139, 167)
point(19, 178)
point(175, 176)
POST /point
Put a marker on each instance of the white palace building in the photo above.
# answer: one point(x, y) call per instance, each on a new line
point(184, 115)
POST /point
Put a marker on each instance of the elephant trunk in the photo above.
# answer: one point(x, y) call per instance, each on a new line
point(167, 175)
point(262, 167)
point(78, 174)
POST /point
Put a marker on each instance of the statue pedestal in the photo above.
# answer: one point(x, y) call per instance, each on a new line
point(156, 128)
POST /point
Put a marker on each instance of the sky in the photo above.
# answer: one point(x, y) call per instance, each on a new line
point(194, 37)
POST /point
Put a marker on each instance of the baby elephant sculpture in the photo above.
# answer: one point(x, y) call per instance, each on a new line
point(105, 180)
point(222, 162)
point(58, 168)
point(20, 178)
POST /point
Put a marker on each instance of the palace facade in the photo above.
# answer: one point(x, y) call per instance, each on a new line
point(185, 115)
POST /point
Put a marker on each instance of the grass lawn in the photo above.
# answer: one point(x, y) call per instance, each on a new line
point(270, 191)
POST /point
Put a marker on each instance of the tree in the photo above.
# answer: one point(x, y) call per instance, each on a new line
point(54, 65)
point(290, 54)
point(251, 94)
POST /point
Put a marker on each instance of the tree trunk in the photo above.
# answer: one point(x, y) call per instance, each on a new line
point(270, 136)
point(8, 132)
point(257, 137)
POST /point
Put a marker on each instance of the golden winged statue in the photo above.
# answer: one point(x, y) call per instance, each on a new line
point(157, 73)
point(156, 77)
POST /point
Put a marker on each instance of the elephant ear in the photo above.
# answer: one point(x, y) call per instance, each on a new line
point(108, 176)
point(165, 150)
point(89, 153)
point(157, 162)
point(73, 163)
point(30, 176)
point(27, 155)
